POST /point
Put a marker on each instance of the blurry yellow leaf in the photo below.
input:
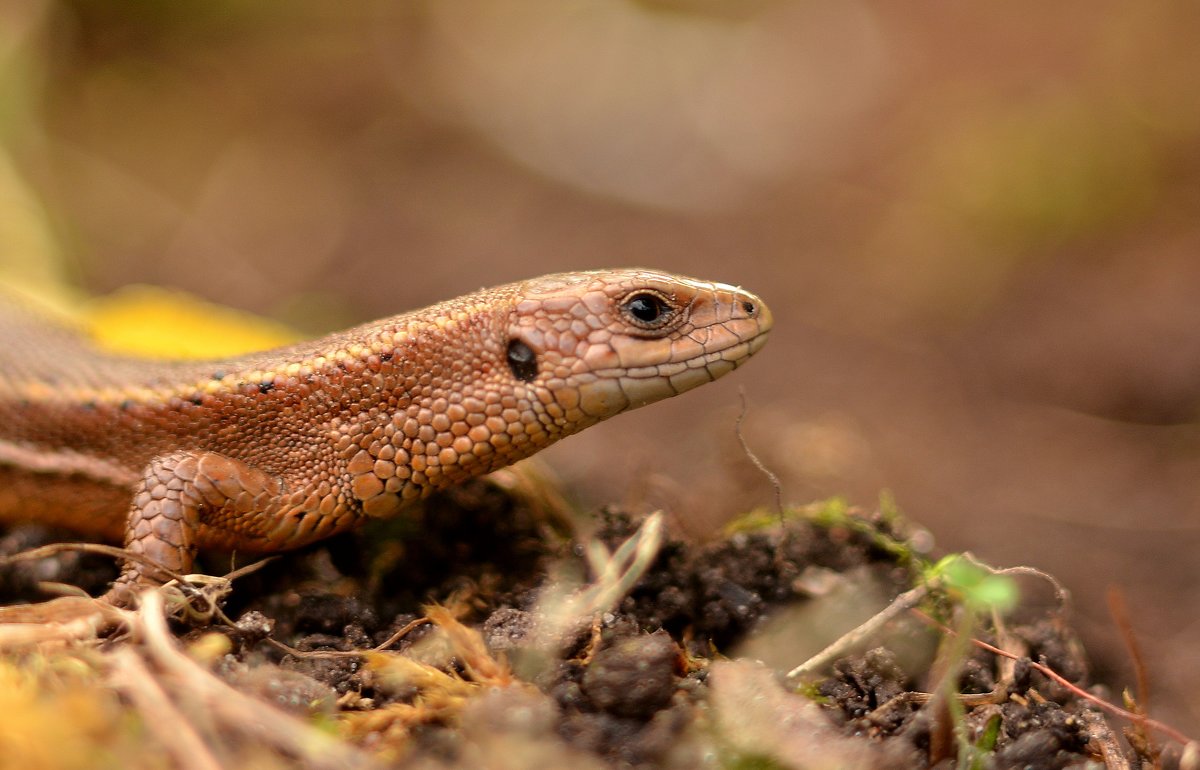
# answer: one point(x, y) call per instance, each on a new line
point(152, 321)
point(56, 716)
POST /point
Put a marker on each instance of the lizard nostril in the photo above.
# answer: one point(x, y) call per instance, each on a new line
point(749, 307)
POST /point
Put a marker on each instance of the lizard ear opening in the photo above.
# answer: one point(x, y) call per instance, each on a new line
point(522, 360)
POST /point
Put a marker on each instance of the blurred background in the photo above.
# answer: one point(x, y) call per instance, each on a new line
point(978, 228)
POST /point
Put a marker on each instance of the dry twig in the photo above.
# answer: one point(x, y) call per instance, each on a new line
point(851, 639)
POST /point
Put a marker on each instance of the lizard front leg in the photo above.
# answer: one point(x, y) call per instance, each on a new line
point(191, 498)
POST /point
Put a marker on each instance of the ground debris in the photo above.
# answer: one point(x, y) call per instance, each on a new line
point(477, 666)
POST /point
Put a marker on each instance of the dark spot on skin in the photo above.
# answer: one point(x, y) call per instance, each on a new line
point(126, 405)
point(196, 400)
point(522, 360)
point(385, 357)
point(266, 387)
point(218, 375)
point(89, 405)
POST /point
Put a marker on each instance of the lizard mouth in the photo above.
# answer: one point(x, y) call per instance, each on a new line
point(621, 389)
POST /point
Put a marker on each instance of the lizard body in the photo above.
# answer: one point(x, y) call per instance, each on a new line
point(275, 450)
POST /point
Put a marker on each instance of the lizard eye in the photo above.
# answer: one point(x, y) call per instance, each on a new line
point(522, 360)
point(647, 309)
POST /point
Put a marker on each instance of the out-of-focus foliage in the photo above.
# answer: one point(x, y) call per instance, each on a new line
point(148, 321)
point(29, 251)
point(679, 106)
point(60, 716)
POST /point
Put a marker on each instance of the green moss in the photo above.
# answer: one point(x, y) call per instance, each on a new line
point(735, 761)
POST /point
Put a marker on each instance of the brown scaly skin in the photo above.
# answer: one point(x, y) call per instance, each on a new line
point(276, 450)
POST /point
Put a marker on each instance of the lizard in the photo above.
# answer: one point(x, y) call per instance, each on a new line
point(275, 450)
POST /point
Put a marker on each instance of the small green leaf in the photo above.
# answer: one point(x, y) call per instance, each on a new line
point(978, 588)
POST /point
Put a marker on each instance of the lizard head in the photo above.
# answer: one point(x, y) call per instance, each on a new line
point(586, 346)
point(473, 384)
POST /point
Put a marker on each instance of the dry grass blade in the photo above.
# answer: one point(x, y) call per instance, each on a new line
point(469, 648)
point(397, 672)
point(851, 639)
point(230, 709)
point(128, 675)
point(616, 574)
point(44, 551)
point(65, 619)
